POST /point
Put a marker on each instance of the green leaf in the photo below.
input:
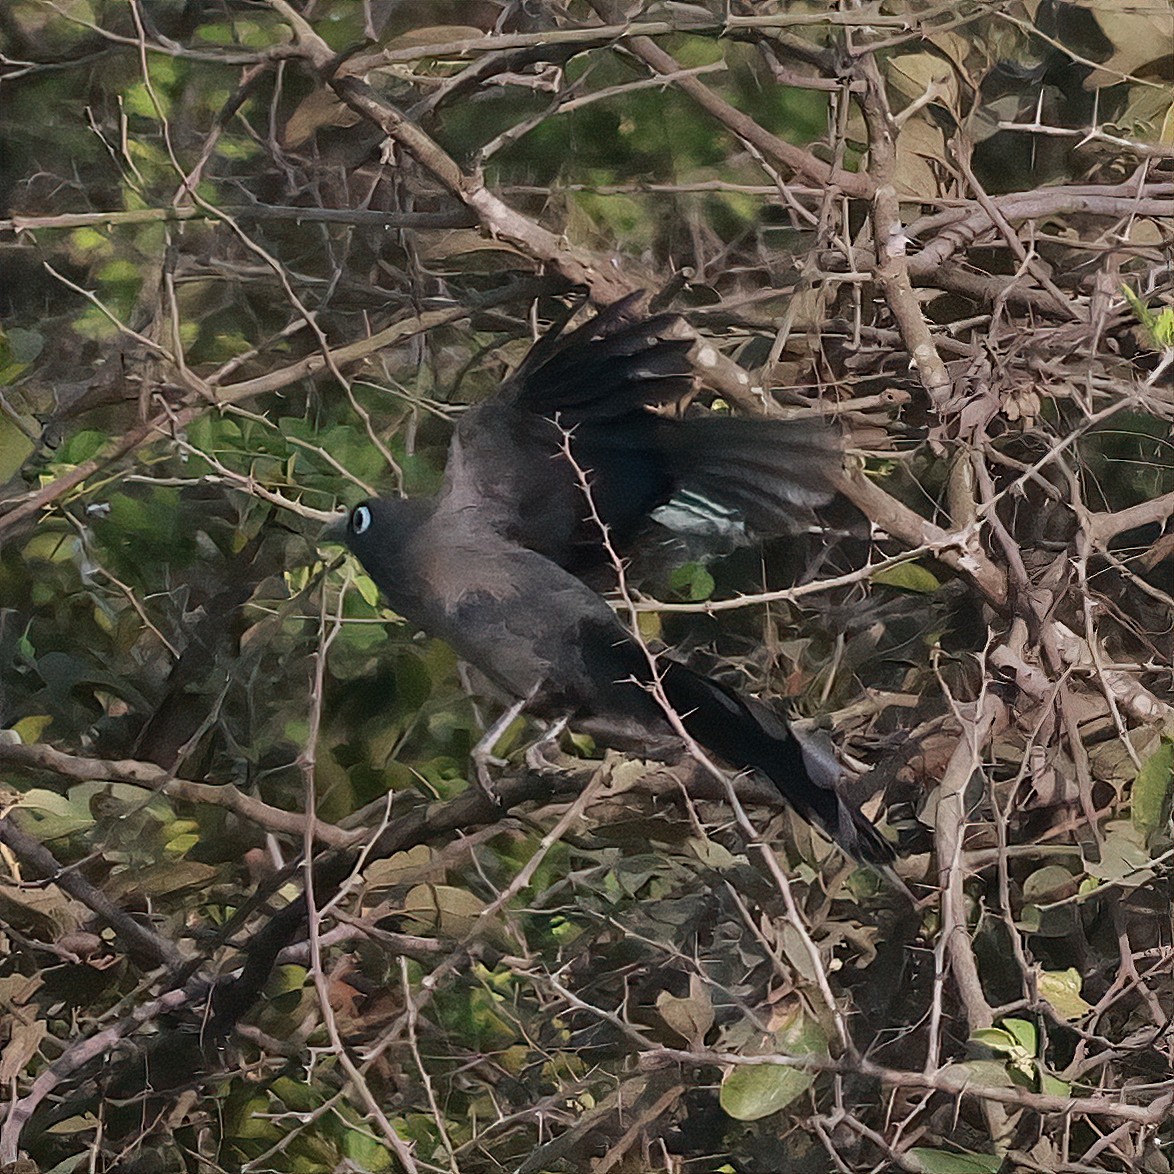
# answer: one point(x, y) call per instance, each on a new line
point(51, 816)
point(1061, 988)
point(1124, 858)
point(81, 446)
point(285, 979)
point(454, 911)
point(182, 844)
point(31, 728)
point(20, 345)
point(1050, 883)
point(692, 581)
point(1151, 790)
point(1053, 1085)
point(945, 1162)
point(247, 1118)
point(1159, 326)
point(750, 1092)
point(15, 446)
point(985, 1073)
point(1025, 1034)
point(994, 1038)
point(908, 577)
point(367, 589)
point(714, 855)
point(1163, 328)
point(364, 1151)
point(1142, 312)
point(1017, 1039)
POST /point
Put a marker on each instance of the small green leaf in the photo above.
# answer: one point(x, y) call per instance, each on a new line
point(15, 446)
point(1159, 326)
point(1024, 1033)
point(72, 1126)
point(1124, 858)
point(81, 446)
point(984, 1073)
point(31, 728)
point(692, 581)
point(286, 979)
point(714, 855)
point(908, 577)
point(454, 911)
point(753, 1091)
point(1142, 312)
point(181, 845)
point(1163, 328)
point(1061, 988)
point(1017, 1040)
point(22, 346)
point(367, 589)
point(1050, 883)
point(944, 1162)
point(994, 1038)
point(648, 624)
point(1151, 790)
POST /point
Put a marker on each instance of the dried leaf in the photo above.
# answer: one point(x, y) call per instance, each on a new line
point(24, 1040)
point(691, 1017)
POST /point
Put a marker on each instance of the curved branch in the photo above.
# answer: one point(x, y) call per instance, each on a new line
point(154, 778)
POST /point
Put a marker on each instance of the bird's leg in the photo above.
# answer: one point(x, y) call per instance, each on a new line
point(466, 680)
point(482, 754)
point(536, 758)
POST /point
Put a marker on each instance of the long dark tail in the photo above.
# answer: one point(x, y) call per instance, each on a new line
point(725, 725)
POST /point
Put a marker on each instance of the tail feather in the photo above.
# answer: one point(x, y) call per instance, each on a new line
point(725, 724)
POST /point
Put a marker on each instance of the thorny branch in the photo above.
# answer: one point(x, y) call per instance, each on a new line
point(990, 324)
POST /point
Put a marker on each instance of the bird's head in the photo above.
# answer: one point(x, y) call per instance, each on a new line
point(375, 528)
point(345, 528)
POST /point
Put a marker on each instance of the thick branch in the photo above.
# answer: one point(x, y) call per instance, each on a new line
point(776, 150)
point(147, 948)
point(154, 778)
point(962, 552)
point(892, 265)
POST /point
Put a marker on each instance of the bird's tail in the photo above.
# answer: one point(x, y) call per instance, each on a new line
point(726, 725)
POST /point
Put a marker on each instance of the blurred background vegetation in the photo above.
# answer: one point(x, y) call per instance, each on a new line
point(256, 258)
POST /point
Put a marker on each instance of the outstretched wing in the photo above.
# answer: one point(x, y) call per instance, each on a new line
point(717, 478)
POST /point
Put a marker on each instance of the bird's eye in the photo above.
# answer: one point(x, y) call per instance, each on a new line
point(360, 519)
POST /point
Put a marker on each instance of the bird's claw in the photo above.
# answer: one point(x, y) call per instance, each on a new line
point(481, 764)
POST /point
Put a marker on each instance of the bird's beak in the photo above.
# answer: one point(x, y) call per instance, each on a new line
point(334, 532)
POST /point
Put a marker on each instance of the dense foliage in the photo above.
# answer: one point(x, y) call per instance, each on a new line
point(257, 257)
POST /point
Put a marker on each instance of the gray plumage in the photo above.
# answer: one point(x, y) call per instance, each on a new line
point(490, 564)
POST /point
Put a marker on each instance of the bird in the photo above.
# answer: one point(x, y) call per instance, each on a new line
point(547, 479)
point(713, 481)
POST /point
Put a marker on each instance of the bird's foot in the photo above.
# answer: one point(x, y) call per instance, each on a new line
point(481, 764)
point(536, 758)
point(483, 756)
